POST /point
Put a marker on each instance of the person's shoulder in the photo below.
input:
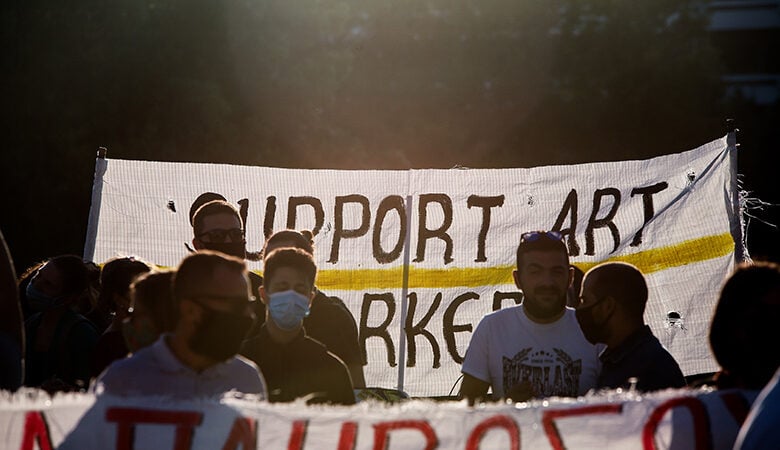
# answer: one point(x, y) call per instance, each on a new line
point(122, 371)
point(244, 369)
point(332, 307)
point(324, 300)
point(649, 342)
point(242, 363)
point(321, 296)
point(569, 317)
point(139, 360)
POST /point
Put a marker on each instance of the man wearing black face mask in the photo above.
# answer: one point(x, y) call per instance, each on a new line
point(611, 311)
point(217, 226)
point(200, 357)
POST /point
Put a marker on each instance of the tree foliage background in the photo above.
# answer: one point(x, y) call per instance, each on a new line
point(345, 84)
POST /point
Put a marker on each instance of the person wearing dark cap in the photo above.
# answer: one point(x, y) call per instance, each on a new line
point(611, 312)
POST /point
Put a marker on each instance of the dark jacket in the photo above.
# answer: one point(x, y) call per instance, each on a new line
point(300, 368)
point(641, 356)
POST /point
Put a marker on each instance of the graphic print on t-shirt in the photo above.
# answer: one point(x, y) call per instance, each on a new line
point(550, 374)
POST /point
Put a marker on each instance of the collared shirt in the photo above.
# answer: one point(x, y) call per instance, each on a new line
point(155, 370)
point(642, 356)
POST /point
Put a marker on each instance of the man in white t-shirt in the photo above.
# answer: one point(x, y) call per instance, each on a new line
point(535, 349)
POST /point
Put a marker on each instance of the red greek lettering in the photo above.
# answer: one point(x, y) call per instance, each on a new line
point(128, 418)
point(502, 422)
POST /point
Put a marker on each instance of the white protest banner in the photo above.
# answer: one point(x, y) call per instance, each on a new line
point(419, 256)
point(673, 419)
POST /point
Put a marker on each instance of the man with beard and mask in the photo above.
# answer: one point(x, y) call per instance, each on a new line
point(611, 312)
point(217, 226)
point(295, 365)
point(535, 349)
point(199, 358)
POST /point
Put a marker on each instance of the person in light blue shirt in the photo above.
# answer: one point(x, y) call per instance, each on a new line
point(199, 358)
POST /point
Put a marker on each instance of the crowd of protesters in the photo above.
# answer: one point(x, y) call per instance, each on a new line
point(126, 326)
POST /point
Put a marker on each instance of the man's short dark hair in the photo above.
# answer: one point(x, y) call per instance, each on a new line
point(196, 270)
point(624, 282)
point(154, 290)
point(299, 239)
point(116, 276)
point(202, 200)
point(212, 208)
point(543, 241)
point(296, 258)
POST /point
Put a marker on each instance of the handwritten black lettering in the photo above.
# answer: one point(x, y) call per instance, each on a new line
point(569, 209)
point(419, 329)
point(292, 212)
point(606, 221)
point(424, 233)
point(485, 203)
point(390, 203)
point(647, 204)
point(339, 232)
point(380, 331)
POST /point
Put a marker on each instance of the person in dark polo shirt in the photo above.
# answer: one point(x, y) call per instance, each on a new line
point(330, 321)
point(294, 365)
point(611, 312)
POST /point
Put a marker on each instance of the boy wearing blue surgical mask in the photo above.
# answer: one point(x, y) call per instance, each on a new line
point(293, 364)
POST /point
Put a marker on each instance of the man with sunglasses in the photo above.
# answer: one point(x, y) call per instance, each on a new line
point(535, 349)
point(217, 226)
point(199, 358)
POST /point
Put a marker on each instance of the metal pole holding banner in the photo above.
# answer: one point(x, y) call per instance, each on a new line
point(737, 225)
point(404, 295)
point(94, 210)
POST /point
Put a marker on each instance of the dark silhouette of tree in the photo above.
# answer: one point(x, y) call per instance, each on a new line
point(371, 84)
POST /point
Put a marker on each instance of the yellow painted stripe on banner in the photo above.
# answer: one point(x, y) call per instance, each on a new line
point(687, 252)
point(684, 253)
